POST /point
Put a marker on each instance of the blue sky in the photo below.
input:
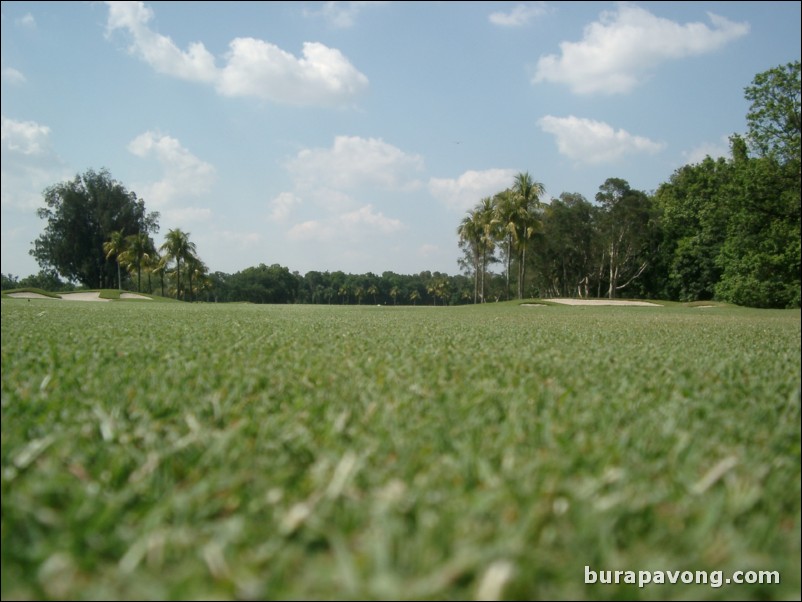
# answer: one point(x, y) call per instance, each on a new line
point(354, 135)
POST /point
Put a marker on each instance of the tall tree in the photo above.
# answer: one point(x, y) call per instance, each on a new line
point(761, 259)
point(487, 228)
point(626, 221)
point(569, 233)
point(139, 249)
point(761, 256)
point(469, 242)
point(115, 247)
point(177, 247)
point(526, 220)
point(695, 208)
point(81, 214)
point(505, 214)
point(774, 114)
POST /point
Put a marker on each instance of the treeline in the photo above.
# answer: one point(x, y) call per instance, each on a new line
point(724, 229)
point(276, 284)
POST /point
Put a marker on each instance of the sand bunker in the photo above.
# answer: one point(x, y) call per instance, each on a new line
point(603, 302)
point(29, 296)
point(88, 296)
point(82, 296)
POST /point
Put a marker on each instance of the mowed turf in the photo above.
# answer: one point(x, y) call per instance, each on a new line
point(165, 451)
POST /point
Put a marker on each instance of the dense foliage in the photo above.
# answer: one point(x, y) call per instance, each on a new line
point(82, 216)
point(726, 229)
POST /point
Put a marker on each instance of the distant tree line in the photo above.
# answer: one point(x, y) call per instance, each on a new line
point(725, 229)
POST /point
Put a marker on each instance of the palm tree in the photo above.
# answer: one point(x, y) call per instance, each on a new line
point(139, 248)
point(394, 292)
point(431, 290)
point(414, 296)
point(470, 235)
point(527, 193)
point(177, 247)
point(115, 247)
point(194, 267)
point(505, 213)
point(159, 266)
point(441, 289)
point(199, 271)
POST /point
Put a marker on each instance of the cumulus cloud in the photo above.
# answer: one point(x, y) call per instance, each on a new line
point(351, 226)
point(624, 45)
point(183, 174)
point(462, 193)
point(12, 76)
point(29, 163)
point(322, 76)
point(25, 137)
point(520, 15)
point(338, 190)
point(341, 14)
point(281, 206)
point(352, 162)
point(595, 142)
point(196, 64)
point(260, 69)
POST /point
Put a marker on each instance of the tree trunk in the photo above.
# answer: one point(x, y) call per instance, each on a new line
point(509, 263)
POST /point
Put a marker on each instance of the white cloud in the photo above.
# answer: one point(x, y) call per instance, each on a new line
point(595, 142)
point(183, 174)
point(353, 162)
point(281, 206)
point(322, 76)
point(519, 16)
point(463, 193)
point(623, 46)
point(25, 137)
point(26, 21)
point(12, 76)
point(711, 149)
point(29, 163)
point(340, 14)
point(351, 226)
point(159, 51)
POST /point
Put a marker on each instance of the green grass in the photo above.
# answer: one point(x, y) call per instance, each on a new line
point(166, 451)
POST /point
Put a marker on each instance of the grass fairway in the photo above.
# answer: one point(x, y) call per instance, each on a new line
point(164, 451)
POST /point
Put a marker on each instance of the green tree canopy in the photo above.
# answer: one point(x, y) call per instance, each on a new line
point(81, 216)
point(774, 115)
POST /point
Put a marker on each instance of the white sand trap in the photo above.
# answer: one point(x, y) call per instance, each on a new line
point(603, 302)
point(29, 296)
point(134, 296)
point(89, 296)
point(533, 305)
